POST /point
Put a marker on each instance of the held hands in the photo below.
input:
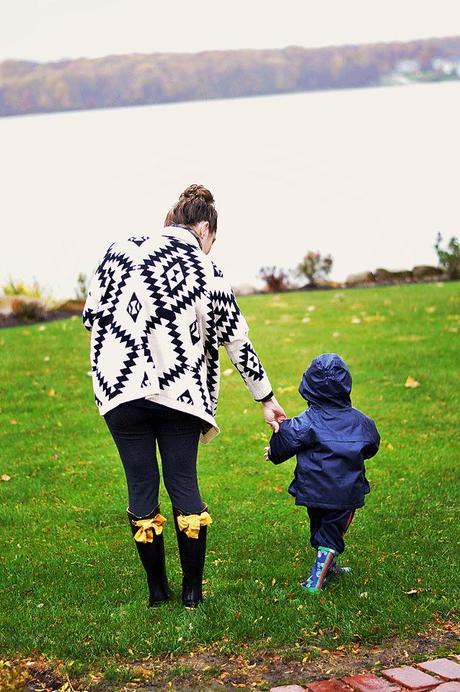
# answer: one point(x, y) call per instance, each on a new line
point(273, 414)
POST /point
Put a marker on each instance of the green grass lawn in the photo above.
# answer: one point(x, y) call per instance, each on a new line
point(71, 582)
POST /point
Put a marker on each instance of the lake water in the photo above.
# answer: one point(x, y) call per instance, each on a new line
point(368, 175)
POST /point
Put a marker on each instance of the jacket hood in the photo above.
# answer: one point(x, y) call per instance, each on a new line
point(327, 381)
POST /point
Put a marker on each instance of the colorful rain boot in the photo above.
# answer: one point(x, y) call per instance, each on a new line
point(318, 577)
point(336, 570)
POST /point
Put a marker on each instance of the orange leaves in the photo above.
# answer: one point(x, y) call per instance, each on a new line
point(411, 383)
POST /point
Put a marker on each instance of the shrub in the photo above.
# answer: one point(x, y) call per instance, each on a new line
point(314, 266)
point(276, 279)
point(19, 288)
point(28, 309)
point(449, 259)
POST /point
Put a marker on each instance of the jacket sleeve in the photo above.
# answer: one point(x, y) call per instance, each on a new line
point(293, 435)
point(232, 332)
point(372, 447)
point(96, 289)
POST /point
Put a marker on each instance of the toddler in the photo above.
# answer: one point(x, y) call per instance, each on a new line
point(331, 440)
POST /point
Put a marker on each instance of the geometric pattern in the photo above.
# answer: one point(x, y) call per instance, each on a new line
point(142, 308)
point(194, 333)
point(185, 397)
point(217, 271)
point(248, 362)
point(134, 307)
point(145, 380)
point(138, 239)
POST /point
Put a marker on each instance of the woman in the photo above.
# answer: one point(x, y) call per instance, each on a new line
point(158, 309)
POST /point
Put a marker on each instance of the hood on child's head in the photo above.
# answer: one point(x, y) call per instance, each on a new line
point(327, 380)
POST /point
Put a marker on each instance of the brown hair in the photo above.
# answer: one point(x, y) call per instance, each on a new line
point(195, 204)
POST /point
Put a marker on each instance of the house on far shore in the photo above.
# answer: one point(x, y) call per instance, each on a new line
point(446, 66)
point(407, 66)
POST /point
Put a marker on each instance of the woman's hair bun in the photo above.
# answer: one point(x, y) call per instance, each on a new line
point(195, 204)
point(197, 192)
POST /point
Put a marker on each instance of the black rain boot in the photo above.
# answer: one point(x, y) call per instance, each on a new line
point(150, 546)
point(191, 538)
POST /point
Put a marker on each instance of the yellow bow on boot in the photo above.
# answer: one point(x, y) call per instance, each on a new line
point(147, 527)
point(191, 523)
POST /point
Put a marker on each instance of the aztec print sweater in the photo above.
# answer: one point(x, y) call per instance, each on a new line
point(158, 309)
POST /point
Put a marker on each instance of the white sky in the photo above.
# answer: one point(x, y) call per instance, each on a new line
point(55, 29)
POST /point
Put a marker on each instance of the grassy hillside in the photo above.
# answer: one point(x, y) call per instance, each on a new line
point(72, 585)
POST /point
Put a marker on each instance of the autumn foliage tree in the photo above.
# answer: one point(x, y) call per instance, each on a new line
point(135, 79)
point(276, 279)
point(315, 266)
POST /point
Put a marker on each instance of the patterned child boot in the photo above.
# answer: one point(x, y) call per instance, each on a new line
point(191, 532)
point(336, 570)
point(318, 577)
point(148, 536)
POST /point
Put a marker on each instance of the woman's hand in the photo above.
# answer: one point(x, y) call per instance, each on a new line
point(273, 413)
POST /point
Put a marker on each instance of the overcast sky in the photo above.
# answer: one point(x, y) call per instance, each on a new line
point(56, 29)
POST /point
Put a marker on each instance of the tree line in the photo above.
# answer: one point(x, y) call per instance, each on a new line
point(137, 79)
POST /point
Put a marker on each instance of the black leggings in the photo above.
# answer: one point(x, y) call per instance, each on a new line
point(136, 426)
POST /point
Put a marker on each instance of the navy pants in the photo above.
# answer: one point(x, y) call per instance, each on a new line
point(137, 427)
point(328, 526)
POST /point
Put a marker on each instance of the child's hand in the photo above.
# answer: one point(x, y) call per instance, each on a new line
point(267, 450)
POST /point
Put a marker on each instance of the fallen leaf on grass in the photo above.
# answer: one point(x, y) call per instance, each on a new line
point(51, 392)
point(13, 421)
point(374, 318)
point(311, 308)
point(335, 335)
point(46, 359)
point(306, 319)
point(390, 447)
point(412, 592)
point(278, 488)
point(430, 309)
point(41, 328)
point(355, 320)
point(5, 477)
point(409, 337)
point(411, 383)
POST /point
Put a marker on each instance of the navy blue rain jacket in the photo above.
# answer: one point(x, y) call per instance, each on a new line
point(331, 440)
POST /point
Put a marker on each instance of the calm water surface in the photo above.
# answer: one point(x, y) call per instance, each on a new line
point(369, 175)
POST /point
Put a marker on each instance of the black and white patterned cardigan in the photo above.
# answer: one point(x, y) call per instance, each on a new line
point(158, 309)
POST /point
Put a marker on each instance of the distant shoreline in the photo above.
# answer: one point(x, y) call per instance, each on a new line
point(121, 81)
